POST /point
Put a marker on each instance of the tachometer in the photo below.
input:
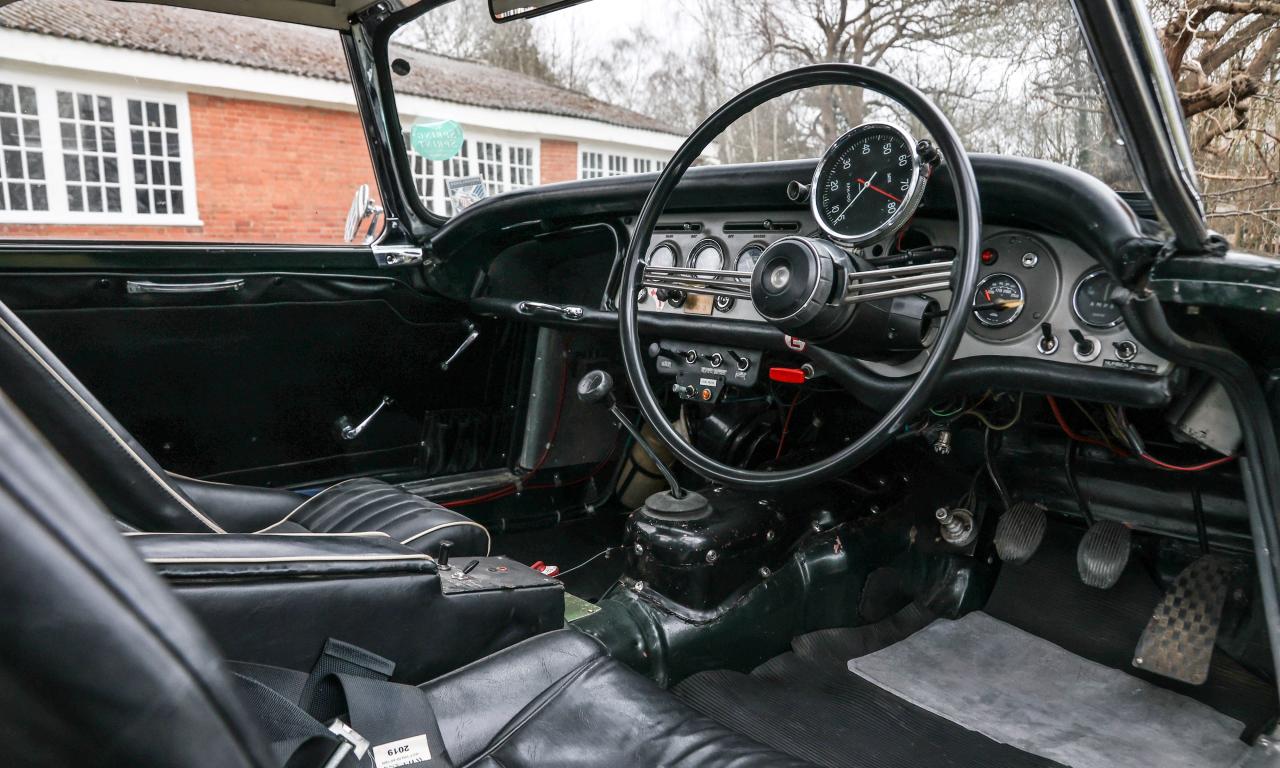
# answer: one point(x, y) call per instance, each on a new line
point(998, 300)
point(867, 184)
point(1091, 301)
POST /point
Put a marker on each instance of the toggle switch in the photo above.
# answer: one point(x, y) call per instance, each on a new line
point(1048, 343)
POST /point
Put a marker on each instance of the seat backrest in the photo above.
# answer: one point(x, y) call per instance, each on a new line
point(99, 663)
point(119, 470)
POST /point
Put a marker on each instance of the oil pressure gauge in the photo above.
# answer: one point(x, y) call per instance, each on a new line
point(999, 300)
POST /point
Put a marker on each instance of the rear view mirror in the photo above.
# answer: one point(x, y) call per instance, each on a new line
point(509, 10)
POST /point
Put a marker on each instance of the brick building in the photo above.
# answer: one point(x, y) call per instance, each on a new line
point(123, 121)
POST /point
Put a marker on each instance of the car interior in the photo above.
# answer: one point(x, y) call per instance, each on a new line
point(903, 455)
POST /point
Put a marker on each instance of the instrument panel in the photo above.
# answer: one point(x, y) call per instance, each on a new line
point(1039, 296)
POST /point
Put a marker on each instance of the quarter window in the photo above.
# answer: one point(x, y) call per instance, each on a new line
point(22, 180)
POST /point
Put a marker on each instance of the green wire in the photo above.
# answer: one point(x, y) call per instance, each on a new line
point(941, 415)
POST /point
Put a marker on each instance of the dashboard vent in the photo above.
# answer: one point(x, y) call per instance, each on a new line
point(761, 226)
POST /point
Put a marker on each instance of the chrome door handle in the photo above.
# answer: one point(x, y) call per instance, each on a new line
point(350, 432)
point(471, 339)
point(568, 311)
point(215, 286)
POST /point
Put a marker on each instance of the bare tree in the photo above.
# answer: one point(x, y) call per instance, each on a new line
point(1225, 57)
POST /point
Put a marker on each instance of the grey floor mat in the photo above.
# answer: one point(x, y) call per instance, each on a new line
point(1021, 690)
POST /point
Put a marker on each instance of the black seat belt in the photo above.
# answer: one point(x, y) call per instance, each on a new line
point(346, 713)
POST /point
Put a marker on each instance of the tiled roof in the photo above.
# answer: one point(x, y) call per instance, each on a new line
point(299, 50)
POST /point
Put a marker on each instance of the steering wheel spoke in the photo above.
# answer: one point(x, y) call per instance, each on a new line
point(714, 282)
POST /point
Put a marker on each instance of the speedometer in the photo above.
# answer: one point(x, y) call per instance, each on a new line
point(867, 184)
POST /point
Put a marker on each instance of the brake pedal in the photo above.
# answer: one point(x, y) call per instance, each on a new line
point(1178, 641)
point(1103, 554)
point(1019, 532)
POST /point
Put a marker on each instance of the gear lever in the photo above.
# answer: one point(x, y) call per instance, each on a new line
point(597, 387)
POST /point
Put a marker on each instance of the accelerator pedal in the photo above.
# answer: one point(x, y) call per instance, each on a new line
point(1019, 532)
point(1103, 554)
point(1178, 641)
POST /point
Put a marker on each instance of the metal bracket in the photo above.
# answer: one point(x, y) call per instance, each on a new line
point(396, 255)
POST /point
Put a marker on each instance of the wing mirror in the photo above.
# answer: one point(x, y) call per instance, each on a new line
point(503, 11)
point(362, 207)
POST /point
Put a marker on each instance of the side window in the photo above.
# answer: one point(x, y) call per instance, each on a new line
point(114, 129)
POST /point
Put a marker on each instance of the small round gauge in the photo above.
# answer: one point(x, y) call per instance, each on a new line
point(1091, 301)
point(867, 184)
point(664, 255)
point(747, 259)
point(999, 300)
point(707, 254)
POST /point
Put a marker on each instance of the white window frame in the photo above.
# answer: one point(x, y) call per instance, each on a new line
point(609, 154)
point(47, 87)
point(442, 169)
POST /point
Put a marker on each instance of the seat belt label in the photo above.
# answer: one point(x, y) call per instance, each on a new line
point(395, 754)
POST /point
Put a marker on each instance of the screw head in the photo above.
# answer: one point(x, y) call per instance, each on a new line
point(638, 548)
point(770, 536)
point(712, 556)
point(638, 586)
point(765, 572)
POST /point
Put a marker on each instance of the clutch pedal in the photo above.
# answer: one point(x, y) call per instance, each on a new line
point(1103, 554)
point(1178, 641)
point(1019, 532)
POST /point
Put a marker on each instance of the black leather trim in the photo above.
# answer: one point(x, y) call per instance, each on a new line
point(238, 508)
point(100, 664)
point(245, 556)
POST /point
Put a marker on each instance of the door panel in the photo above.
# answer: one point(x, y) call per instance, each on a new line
point(249, 385)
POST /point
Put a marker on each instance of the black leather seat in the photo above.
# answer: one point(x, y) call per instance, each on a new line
point(143, 497)
point(101, 666)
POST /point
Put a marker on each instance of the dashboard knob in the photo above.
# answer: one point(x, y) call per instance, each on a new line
point(595, 387)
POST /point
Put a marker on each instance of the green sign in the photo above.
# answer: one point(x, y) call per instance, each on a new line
point(437, 141)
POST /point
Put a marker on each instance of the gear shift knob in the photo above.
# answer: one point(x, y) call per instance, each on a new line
point(596, 387)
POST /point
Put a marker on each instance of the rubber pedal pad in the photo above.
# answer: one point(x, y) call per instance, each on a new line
point(1103, 554)
point(1178, 640)
point(1019, 532)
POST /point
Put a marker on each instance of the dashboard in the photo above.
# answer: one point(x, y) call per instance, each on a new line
point(1057, 287)
point(1055, 240)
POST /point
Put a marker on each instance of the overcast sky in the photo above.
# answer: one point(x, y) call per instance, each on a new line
point(598, 22)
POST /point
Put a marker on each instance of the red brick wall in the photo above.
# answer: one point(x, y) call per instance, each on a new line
point(265, 173)
point(559, 161)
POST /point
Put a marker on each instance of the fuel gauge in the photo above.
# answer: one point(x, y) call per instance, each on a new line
point(999, 300)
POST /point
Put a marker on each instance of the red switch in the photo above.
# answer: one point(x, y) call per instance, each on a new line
point(786, 375)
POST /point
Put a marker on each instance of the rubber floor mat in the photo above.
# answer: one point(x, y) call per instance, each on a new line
point(821, 713)
point(1021, 690)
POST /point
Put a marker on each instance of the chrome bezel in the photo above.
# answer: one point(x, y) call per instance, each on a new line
point(762, 245)
point(1016, 313)
point(1075, 301)
point(909, 201)
point(675, 247)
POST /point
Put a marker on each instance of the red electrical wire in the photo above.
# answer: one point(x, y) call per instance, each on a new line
point(785, 424)
point(1062, 422)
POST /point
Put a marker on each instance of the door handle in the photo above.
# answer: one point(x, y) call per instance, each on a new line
point(567, 311)
point(215, 286)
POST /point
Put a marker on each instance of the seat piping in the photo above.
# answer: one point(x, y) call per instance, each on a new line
point(488, 539)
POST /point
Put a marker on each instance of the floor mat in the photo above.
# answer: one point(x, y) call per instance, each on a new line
point(817, 711)
point(1046, 598)
point(988, 676)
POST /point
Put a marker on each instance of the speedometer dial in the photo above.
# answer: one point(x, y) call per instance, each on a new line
point(867, 184)
point(998, 300)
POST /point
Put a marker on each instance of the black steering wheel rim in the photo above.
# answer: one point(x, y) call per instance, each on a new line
point(964, 276)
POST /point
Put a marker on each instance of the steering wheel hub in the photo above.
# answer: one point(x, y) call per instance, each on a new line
point(793, 285)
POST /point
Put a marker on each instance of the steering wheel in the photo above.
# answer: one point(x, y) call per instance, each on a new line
point(962, 283)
